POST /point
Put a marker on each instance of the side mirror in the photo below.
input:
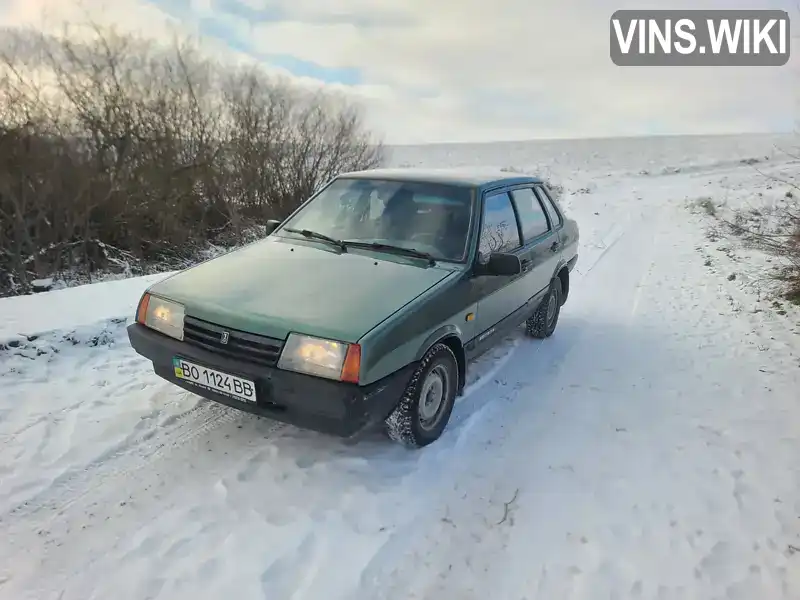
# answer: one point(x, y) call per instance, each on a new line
point(500, 264)
point(272, 225)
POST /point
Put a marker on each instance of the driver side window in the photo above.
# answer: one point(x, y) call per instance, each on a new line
point(499, 230)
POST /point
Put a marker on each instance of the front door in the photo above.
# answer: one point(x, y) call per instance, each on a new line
point(498, 296)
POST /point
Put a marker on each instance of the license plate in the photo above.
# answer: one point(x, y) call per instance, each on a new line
point(217, 381)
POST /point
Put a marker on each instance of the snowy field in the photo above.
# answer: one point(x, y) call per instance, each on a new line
point(649, 449)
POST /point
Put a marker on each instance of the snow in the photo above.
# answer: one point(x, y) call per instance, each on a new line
point(68, 308)
point(42, 284)
point(649, 449)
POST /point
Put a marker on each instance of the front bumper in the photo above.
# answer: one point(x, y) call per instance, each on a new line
point(327, 406)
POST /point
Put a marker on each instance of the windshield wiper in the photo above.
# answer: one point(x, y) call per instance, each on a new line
point(391, 249)
point(343, 244)
point(314, 235)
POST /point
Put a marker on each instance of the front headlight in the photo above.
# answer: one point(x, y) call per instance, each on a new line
point(162, 315)
point(320, 357)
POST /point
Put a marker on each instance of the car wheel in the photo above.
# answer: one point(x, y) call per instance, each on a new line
point(424, 409)
point(542, 323)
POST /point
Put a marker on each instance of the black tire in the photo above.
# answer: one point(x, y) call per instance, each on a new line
point(542, 323)
point(407, 424)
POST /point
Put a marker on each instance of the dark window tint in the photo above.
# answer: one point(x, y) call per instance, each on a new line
point(555, 216)
point(531, 214)
point(499, 232)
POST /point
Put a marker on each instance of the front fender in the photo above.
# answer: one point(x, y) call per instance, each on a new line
point(447, 330)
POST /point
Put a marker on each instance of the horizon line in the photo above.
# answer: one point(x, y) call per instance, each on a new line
point(596, 138)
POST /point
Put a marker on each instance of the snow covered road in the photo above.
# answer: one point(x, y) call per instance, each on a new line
point(649, 449)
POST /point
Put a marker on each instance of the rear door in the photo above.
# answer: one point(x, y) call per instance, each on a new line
point(568, 236)
point(540, 239)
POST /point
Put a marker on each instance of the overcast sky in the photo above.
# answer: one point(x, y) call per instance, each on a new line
point(467, 70)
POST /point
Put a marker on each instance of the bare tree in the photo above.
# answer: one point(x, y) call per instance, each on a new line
point(117, 153)
point(494, 238)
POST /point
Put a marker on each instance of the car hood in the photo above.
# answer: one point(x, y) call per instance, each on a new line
point(276, 286)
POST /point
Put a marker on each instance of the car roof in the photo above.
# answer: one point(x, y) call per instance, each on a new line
point(463, 176)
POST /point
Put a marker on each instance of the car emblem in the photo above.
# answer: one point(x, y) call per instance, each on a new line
point(225, 337)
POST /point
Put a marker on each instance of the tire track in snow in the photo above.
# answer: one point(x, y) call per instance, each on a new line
point(185, 475)
point(114, 480)
point(486, 508)
point(434, 528)
point(127, 458)
point(465, 546)
point(484, 397)
point(610, 238)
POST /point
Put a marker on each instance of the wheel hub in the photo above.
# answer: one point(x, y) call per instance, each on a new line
point(551, 307)
point(432, 396)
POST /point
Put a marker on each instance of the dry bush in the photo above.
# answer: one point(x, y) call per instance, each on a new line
point(777, 231)
point(784, 242)
point(706, 205)
point(118, 154)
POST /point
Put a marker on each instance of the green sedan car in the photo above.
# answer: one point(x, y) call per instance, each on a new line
point(363, 308)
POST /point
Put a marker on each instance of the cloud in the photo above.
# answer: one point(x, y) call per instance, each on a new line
point(467, 70)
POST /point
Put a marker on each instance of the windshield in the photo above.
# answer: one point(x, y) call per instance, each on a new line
point(430, 218)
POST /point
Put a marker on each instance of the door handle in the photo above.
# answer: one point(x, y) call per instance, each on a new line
point(554, 247)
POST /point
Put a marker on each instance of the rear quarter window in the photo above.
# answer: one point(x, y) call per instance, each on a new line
point(555, 215)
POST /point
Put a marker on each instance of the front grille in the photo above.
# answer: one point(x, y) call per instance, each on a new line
point(248, 347)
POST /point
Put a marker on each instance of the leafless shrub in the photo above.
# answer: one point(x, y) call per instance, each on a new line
point(119, 154)
point(556, 189)
point(494, 238)
point(707, 206)
point(775, 230)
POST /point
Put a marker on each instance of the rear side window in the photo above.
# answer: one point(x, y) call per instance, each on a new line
point(552, 211)
point(499, 231)
point(531, 214)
